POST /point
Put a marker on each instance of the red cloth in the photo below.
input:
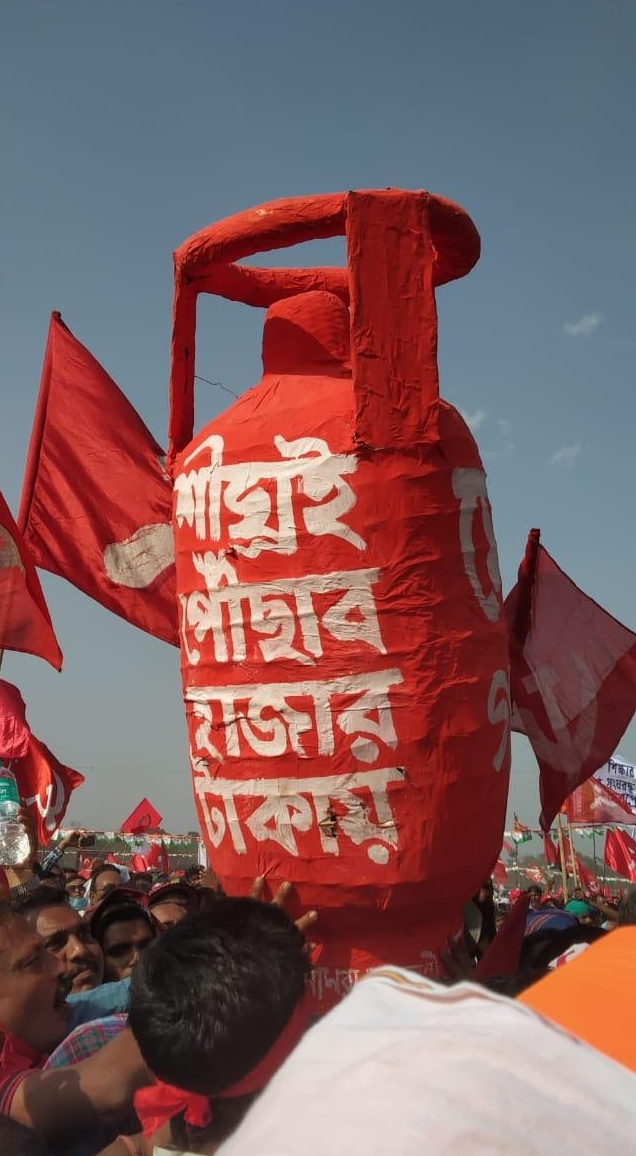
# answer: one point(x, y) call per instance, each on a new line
point(573, 676)
point(14, 728)
point(593, 803)
point(25, 623)
point(500, 873)
point(502, 956)
point(620, 854)
point(155, 859)
point(17, 1059)
point(587, 877)
point(159, 1102)
point(45, 787)
point(16, 1056)
point(144, 818)
point(96, 502)
point(159, 858)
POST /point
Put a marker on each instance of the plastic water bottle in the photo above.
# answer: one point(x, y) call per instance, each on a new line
point(14, 840)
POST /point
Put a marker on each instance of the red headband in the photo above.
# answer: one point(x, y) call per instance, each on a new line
point(160, 1102)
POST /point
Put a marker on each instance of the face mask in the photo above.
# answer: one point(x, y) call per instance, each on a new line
point(78, 903)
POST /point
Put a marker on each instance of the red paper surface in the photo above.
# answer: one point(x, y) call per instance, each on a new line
point(573, 676)
point(45, 787)
point(344, 653)
point(25, 623)
point(96, 501)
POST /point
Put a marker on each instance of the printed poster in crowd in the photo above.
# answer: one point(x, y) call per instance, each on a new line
point(620, 776)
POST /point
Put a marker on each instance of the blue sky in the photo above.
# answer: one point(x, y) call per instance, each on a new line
point(129, 124)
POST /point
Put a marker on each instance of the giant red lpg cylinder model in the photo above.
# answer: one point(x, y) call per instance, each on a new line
point(344, 656)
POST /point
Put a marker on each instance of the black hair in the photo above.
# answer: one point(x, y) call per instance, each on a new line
point(18, 1140)
point(124, 912)
point(211, 995)
point(192, 872)
point(43, 896)
point(172, 893)
point(140, 877)
point(486, 906)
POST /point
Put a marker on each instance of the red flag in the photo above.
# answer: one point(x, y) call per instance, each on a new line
point(500, 873)
point(14, 728)
point(155, 859)
point(594, 803)
point(620, 854)
point(503, 954)
point(96, 501)
point(506, 846)
point(587, 877)
point(573, 676)
point(550, 851)
point(25, 623)
point(143, 818)
point(45, 787)
point(535, 874)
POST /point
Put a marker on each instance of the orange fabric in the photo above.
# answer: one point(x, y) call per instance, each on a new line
point(593, 997)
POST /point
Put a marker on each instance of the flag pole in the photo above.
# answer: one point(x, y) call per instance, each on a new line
point(564, 873)
point(575, 870)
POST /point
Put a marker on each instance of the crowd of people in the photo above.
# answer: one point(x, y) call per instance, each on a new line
point(144, 1013)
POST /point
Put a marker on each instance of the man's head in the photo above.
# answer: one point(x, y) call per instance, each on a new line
point(67, 936)
point(211, 995)
point(578, 893)
point(75, 891)
point(141, 880)
point(171, 902)
point(75, 886)
point(103, 880)
point(54, 878)
point(169, 913)
point(123, 931)
point(627, 908)
point(535, 894)
point(33, 987)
